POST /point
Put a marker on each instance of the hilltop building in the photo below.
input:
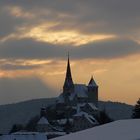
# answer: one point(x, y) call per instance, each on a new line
point(78, 93)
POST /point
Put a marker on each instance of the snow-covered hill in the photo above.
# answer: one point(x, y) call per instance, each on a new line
point(118, 130)
point(20, 113)
point(23, 111)
point(116, 110)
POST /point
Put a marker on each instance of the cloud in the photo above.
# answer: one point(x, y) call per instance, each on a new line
point(31, 49)
point(43, 33)
point(17, 12)
point(70, 24)
point(91, 16)
point(22, 64)
point(8, 24)
point(18, 67)
point(109, 49)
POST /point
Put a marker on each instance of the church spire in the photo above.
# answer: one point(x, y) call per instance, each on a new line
point(68, 73)
point(92, 82)
point(68, 84)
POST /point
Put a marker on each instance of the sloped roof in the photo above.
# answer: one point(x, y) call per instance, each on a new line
point(92, 82)
point(43, 120)
point(92, 106)
point(90, 118)
point(60, 98)
point(80, 90)
point(63, 121)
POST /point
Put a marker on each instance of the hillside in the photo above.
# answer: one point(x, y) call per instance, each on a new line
point(20, 112)
point(118, 130)
point(116, 110)
point(23, 111)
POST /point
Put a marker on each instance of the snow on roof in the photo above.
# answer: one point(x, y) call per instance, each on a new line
point(43, 120)
point(81, 113)
point(37, 136)
point(72, 95)
point(78, 108)
point(118, 130)
point(92, 106)
point(81, 104)
point(63, 121)
point(55, 133)
point(80, 90)
point(84, 104)
point(25, 133)
point(90, 118)
point(60, 99)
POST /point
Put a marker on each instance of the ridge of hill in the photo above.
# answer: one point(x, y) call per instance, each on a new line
point(22, 112)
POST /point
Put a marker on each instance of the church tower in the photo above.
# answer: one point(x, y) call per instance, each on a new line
point(68, 84)
point(93, 91)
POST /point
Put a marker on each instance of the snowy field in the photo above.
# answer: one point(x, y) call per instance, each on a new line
point(26, 136)
point(118, 130)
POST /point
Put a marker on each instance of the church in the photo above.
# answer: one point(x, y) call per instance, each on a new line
point(75, 109)
point(78, 93)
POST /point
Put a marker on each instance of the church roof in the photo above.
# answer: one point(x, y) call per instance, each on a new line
point(60, 98)
point(63, 121)
point(92, 82)
point(89, 104)
point(90, 118)
point(80, 90)
point(68, 79)
point(92, 106)
point(43, 120)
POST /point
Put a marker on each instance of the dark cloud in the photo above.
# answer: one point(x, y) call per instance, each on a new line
point(109, 49)
point(90, 16)
point(31, 49)
point(8, 24)
point(28, 48)
point(19, 89)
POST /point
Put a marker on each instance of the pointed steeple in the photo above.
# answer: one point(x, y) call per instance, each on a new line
point(92, 82)
point(68, 73)
point(68, 84)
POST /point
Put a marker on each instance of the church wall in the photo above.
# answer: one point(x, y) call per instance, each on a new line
point(44, 128)
point(93, 95)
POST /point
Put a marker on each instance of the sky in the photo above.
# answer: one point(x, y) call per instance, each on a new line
point(102, 37)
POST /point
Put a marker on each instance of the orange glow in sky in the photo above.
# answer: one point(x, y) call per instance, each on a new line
point(103, 41)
